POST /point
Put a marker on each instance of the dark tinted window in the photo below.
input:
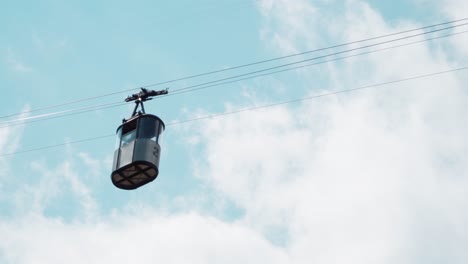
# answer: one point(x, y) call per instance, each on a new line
point(128, 138)
point(129, 126)
point(148, 128)
point(128, 132)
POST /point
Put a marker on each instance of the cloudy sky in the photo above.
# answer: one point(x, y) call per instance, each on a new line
point(377, 175)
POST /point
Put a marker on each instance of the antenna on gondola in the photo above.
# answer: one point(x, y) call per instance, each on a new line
point(137, 153)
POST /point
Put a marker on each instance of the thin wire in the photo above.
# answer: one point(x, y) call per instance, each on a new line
point(55, 117)
point(57, 145)
point(233, 68)
point(311, 59)
point(105, 106)
point(318, 96)
point(257, 107)
point(307, 52)
point(91, 108)
point(311, 64)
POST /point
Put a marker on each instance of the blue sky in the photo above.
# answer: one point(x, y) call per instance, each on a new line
point(375, 176)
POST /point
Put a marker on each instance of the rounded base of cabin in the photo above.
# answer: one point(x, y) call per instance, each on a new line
point(134, 175)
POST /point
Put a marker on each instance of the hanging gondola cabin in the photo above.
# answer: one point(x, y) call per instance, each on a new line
point(137, 152)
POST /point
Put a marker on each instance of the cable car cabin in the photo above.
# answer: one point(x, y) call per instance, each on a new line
point(136, 157)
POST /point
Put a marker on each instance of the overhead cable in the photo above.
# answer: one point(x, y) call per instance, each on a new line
point(106, 106)
point(15, 122)
point(200, 87)
point(312, 59)
point(82, 109)
point(242, 66)
point(255, 108)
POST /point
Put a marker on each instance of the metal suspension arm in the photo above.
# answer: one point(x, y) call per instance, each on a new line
point(144, 95)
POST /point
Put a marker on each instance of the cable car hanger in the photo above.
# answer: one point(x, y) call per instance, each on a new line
point(143, 96)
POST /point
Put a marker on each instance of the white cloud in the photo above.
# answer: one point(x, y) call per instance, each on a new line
point(57, 185)
point(453, 8)
point(372, 177)
point(349, 180)
point(457, 10)
point(10, 142)
point(139, 238)
point(93, 165)
point(289, 24)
